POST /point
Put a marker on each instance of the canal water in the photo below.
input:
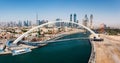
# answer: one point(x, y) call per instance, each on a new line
point(72, 51)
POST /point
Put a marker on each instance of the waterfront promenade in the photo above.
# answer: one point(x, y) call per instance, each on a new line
point(107, 51)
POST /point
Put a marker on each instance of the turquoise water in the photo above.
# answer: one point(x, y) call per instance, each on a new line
point(73, 51)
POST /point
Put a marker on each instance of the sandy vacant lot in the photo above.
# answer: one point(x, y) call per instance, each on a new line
point(108, 51)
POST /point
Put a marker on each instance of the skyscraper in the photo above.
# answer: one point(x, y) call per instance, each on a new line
point(85, 20)
point(91, 21)
point(27, 23)
point(37, 21)
point(19, 24)
point(70, 17)
point(70, 24)
point(75, 17)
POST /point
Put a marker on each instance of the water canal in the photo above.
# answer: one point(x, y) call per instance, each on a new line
point(71, 51)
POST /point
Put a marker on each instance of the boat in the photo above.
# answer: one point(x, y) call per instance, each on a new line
point(21, 51)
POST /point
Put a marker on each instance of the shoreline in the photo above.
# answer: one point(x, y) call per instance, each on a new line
point(92, 55)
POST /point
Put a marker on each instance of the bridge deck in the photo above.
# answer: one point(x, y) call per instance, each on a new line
point(81, 38)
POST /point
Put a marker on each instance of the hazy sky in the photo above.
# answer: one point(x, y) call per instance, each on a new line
point(104, 11)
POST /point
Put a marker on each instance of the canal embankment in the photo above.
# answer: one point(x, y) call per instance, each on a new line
point(92, 56)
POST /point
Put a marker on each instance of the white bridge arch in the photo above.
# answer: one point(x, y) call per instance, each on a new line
point(52, 22)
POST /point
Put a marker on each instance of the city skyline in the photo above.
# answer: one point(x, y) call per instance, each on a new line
point(104, 11)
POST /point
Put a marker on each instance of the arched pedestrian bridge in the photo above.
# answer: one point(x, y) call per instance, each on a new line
point(53, 22)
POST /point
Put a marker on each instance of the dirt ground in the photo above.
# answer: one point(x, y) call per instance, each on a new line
point(108, 51)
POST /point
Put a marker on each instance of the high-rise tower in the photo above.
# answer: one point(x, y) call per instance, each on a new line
point(70, 24)
point(70, 17)
point(85, 20)
point(91, 21)
point(37, 23)
point(75, 17)
point(20, 24)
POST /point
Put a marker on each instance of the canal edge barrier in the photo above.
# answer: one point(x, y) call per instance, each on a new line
point(92, 56)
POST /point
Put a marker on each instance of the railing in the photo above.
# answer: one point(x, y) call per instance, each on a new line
point(81, 38)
